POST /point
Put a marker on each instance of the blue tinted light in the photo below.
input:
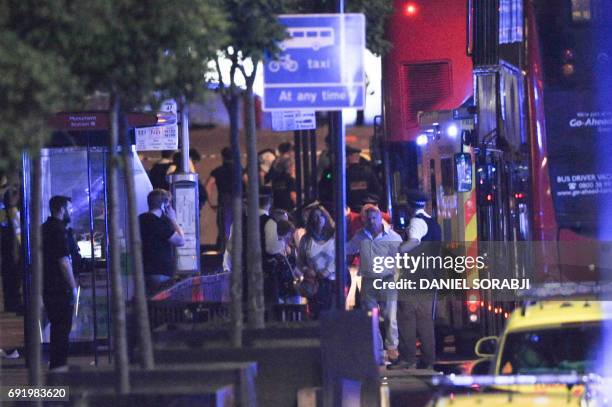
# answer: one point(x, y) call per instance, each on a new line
point(452, 130)
point(421, 140)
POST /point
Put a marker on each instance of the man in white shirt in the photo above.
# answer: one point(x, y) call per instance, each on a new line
point(377, 238)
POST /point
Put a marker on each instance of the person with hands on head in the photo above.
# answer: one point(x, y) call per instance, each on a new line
point(160, 234)
point(60, 288)
point(316, 260)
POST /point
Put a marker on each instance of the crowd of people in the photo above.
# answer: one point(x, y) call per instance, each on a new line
point(298, 254)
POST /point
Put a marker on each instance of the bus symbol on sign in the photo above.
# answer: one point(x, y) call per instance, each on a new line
point(309, 37)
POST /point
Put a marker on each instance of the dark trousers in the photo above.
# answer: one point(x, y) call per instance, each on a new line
point(323, 300)
point(11, 271)
point(414, 316)
point(59, 312)
point(224, 220)
point(270, 281)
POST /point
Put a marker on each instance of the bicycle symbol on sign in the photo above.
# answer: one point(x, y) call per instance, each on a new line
point(285, 62)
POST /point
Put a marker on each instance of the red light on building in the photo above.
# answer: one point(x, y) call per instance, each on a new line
point(489, 197)
point(411, 9)
point(519, 195)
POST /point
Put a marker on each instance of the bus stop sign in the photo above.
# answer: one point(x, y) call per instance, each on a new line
point(320, 66)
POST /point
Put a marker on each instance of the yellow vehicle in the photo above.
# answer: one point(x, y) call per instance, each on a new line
point(507, 399)
point(542, 341)
point(546, 337)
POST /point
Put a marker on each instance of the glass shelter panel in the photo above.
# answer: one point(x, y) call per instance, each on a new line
point(80, 174)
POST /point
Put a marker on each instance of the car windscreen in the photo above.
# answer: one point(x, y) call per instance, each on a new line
point(564, 349)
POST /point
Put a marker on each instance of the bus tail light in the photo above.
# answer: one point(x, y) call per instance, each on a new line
point(411, 9)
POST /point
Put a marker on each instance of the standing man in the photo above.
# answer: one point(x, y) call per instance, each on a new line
point(378, 239)
point(160, 234)
point(59, 285)
point(159, 170)
point(221, 178)
point(415, 313)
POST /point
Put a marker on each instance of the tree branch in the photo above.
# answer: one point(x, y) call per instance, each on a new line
point(224, 96)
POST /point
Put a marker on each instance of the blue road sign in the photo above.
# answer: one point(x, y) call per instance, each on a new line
point(320, 66)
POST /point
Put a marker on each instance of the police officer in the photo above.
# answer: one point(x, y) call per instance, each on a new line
point(416, 309)
point(360, 180)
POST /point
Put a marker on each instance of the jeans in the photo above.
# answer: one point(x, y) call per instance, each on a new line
point(371, 298)
point(59, 312)
point(224, 220)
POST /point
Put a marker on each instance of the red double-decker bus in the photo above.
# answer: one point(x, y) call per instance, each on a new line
point(531, 99)
point(427, 69)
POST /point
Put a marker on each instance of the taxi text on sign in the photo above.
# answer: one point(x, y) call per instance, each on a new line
point(320, 66)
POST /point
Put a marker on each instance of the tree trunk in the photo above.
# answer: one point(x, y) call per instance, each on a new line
point(236, 254)
point(34, 311)
point(140, 299)
point(256, 298)
point(122, 384)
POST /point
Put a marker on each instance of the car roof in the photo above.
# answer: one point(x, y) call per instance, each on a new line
point(555, 313)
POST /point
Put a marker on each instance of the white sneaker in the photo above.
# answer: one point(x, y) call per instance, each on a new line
point(13, 355)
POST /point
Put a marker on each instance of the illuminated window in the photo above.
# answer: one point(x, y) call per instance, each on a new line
point(510, 21)
point(581, 10)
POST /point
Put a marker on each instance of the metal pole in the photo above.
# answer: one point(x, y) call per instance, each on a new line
point(92, 253)
point(298, 170)
point(339, 144)
point(184, 136)
point(313, 164)
point(109, 331)
point(340, 204)
point(26, 196)
point(306, 166)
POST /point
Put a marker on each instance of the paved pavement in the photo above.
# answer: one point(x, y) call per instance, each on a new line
point(13, 370)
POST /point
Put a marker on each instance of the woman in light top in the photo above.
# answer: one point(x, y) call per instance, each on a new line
point(316, 258)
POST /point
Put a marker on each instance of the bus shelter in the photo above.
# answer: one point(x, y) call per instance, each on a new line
point(74, 164)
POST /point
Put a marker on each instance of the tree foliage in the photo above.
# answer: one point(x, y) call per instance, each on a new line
point(137, 48)
point(35, 81)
